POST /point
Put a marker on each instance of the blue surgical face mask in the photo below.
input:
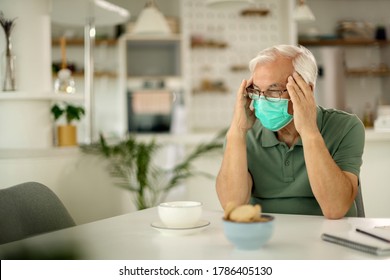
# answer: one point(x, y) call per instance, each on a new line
point(273, 115)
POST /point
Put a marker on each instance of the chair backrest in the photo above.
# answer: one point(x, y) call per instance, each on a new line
point(28, 209)
point(359, 202)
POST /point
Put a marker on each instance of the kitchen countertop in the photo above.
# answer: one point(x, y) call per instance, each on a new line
point(374, 135)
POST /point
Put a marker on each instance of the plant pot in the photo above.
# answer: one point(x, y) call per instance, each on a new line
point(67, 135)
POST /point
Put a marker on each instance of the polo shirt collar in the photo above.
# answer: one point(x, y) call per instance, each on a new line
point(268, 138)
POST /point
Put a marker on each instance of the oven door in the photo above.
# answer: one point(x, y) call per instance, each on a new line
point(149, 110)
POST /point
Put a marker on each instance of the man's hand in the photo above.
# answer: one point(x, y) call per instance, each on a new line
point(244, 117)
point(304, 105)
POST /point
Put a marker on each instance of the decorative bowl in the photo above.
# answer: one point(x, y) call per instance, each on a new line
point(249, 235)
point(180, 214)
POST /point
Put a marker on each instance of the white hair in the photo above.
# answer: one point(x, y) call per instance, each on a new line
point(302, 59)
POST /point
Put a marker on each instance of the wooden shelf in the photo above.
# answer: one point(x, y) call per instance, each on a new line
point(255, 12)
point(209, 44)
point(376, 72)
point(98, 74)
point(344, 42)
point(222, 90)
point(80, 42)
point(239, 68)
point(79, 74)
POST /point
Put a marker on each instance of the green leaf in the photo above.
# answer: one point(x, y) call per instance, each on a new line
point(56, 111)
point(71, 112)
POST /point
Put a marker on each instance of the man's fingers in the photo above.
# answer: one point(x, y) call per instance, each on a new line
point(241, 91)
point(293, 89)
point(303, 86)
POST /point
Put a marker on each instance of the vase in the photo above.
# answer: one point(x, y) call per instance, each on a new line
point(67, 135)
point(8, 67)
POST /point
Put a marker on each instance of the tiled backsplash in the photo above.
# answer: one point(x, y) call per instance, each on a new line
point(244, 37)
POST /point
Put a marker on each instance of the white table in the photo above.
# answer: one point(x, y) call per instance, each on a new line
point(131, 236)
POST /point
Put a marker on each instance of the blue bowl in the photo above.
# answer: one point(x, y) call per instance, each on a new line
point(249, 236)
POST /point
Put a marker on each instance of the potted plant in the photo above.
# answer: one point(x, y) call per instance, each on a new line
point(67, 133)
point(130, 163)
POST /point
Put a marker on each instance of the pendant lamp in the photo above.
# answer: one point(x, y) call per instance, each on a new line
point(151, 21)
point(303, 13)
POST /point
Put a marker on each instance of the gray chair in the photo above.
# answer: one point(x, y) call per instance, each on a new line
point(28, 209)
point(359, 202)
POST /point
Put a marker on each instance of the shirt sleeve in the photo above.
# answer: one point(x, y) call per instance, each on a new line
point(348, 155)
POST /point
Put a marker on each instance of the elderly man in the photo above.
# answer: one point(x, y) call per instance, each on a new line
point(282, 150)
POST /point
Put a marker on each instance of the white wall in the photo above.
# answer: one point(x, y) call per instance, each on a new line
point(24, 117)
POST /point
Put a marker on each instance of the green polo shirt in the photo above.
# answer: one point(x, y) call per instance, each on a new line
point(280, 180)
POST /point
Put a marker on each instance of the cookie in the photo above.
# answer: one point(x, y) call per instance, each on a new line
point(228, 209)
point(245, 213)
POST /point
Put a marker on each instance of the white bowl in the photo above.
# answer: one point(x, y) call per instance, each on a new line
point(180, 214)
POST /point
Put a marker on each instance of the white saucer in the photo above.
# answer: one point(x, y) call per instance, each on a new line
point(198, 227)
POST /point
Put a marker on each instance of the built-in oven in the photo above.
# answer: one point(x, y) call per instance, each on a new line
point(152, 74)
point(150, 110)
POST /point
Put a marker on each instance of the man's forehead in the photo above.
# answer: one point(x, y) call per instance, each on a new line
point(274, 85)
